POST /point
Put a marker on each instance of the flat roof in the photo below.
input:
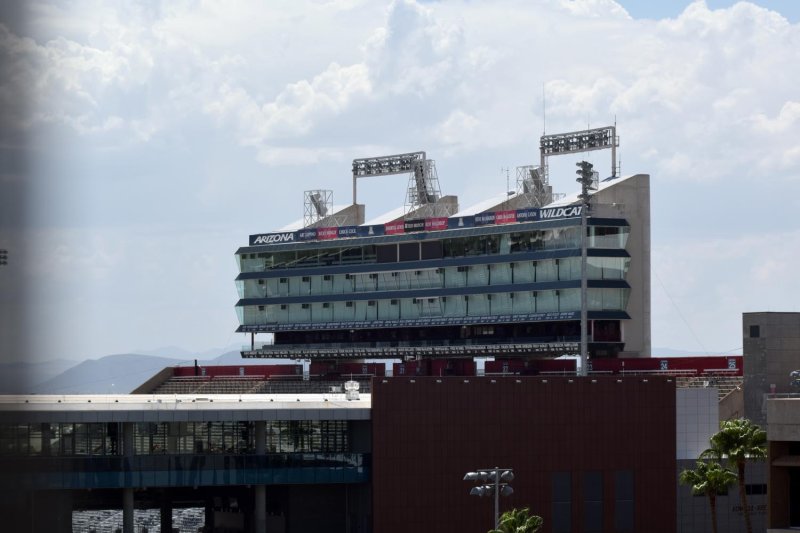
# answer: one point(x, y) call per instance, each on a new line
point(604, 184)
point(89, 408)
point(484, 205)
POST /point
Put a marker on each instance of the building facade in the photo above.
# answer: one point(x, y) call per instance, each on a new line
point(473, 284)
point(783, 437)
point(771, 352)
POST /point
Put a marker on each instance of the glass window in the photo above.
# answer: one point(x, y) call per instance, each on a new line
point(593, 502)
point(623, 501)
point(562, 502)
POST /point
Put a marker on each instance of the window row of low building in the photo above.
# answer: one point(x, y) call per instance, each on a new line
point(103, 439)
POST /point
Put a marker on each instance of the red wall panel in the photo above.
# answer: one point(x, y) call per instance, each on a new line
point(428, 432)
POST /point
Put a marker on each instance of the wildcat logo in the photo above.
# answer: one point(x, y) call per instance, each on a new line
point(560, 212)
point(274, 238)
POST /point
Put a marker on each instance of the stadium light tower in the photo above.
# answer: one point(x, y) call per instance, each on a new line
point(493, 482)
point(585, 179)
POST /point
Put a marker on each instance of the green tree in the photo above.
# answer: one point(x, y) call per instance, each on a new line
point(711, 479)
point(739, 440)
point(519, 521)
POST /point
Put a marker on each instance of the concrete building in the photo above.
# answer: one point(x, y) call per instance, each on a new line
point(783, 436)
point(771, 352)
point(499, 278)
point(296, 463)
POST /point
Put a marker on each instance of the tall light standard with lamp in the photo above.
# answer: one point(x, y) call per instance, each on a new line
point(585, 179)
point(492, 482)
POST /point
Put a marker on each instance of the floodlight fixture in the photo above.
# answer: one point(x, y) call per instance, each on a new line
point(412, 162)
point(493, 482)
point(580, 141)
point(586, 179)
point(317, 204)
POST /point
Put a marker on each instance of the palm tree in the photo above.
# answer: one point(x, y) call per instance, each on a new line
point(518, 521)
point(739, 440)
point(711, 479)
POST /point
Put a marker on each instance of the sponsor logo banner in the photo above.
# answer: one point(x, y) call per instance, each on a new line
point(527, 215)
point(370, 231)
point(549, 213)
point(435, 224)
point(309, 234)
point(347, 231)
point(484, 218)
point(460, 222)
point(272, 238)
point(505, 217)
point(410, 226)
point(393, 228)
point(324, 234)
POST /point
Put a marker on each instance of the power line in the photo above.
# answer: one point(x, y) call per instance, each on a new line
point(696, 338)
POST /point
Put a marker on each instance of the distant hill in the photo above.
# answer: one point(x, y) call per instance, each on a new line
point(112, 374)
point(21, 377)
point(120, 374)
point(176, 352)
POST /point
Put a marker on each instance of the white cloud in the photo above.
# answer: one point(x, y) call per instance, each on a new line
point(785, 121)
point(295, 110)
point(710, 282)
point(706, 102)
point(595, 8)
point(459, 127)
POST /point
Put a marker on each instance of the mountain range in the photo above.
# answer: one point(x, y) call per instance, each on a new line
point(112, 374)
point(122, 373)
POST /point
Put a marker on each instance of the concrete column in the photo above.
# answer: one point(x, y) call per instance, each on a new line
point(260, 492)
point(260, 509)
point(50, 511)
point(261, 437)
point(209, 515)
point(166, 516)
point(127, 439)
point(127, 510)
point(46, 439)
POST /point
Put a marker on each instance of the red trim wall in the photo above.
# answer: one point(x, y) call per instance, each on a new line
point(249, 370)
point(429, 431)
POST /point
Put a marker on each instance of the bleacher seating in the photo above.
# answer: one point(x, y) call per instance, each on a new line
point(181, 385)
point(724, 382)
point(230, 384)
point(257, 385)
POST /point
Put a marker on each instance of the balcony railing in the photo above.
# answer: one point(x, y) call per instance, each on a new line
point(549, 346)
point(58, 473)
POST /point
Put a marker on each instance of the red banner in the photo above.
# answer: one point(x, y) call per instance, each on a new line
point(324, 234)
point(393, 228)
point(505, 217)
point(435, 224)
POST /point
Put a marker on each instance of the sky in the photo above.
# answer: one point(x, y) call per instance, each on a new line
point(142, 142)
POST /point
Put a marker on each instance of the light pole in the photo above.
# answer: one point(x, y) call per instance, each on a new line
point(585, 179)
point(493, 482)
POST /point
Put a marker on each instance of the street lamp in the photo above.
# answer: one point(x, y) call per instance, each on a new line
point(586, 180)
point(492, 482)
